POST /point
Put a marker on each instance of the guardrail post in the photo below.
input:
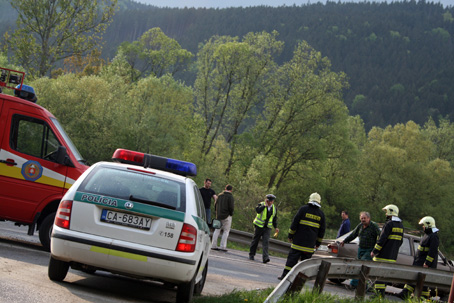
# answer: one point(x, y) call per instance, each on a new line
point(362, 284)
point(451, 292)
point(298, 283)
point(320, 280)
point(419, 284)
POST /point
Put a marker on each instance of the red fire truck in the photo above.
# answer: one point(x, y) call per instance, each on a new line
point(38, 161)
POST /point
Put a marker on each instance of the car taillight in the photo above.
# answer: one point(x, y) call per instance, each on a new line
point(63, 216)
point(188, 239)
point(334, 248)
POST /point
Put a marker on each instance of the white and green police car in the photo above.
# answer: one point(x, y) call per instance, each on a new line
point(142, 217)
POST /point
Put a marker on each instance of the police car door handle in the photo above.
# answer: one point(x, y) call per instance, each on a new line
point(9, 162)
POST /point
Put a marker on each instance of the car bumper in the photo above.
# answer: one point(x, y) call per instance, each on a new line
point(123, 257)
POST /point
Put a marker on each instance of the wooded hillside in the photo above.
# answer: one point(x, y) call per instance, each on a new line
point(398, 56)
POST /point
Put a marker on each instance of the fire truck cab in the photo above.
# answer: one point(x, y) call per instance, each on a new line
point(38, 161)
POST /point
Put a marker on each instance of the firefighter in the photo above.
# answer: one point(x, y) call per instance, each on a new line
point(426, 256)
point(387, 246)
point(306, 232)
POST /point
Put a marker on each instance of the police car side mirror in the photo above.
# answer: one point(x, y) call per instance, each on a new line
point(216, 224)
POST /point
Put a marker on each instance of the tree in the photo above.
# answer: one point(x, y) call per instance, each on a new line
point(304, 117)
point(398, 167)
point(154, 54)
point(51, 30)
point(231, 83)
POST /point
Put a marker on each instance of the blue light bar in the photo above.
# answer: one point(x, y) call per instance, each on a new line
point(178, 167)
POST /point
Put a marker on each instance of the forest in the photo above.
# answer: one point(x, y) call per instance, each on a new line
point(272, 114)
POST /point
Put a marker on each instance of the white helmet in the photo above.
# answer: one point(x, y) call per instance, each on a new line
point(391, 210)
point(428, 222)
point(315, 197)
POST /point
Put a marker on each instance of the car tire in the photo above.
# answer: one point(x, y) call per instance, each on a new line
point(199, 286)
point(57, 269)
point(337, 281)
point(185, 291)
point(45, 230)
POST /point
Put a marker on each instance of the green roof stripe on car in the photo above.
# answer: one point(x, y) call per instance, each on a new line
point(138, 207)
point(201, 224)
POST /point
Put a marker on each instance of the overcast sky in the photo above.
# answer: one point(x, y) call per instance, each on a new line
point(245, 3)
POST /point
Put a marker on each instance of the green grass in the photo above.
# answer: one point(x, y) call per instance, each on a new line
point(258, 296)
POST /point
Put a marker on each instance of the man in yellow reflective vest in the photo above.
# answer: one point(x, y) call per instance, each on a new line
point(266, 219)
point(306, 232)
point(387, 247)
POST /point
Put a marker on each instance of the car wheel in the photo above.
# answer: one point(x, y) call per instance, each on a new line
point(57, 269)
point(337, 281)
point(199, 286)
point(45, 230)
point(185, 291)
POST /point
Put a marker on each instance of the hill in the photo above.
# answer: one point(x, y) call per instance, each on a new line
point(398, 56)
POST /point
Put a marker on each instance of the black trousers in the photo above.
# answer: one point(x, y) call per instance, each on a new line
point(294, 256)
point(264, 233)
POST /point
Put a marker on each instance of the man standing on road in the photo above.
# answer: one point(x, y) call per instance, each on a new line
point(345, 225)
point(224, 211)
point(368, 232)
point(306, 232)
point(265, 219)
point(207, 193)
point(426, 256)
point(387, 247)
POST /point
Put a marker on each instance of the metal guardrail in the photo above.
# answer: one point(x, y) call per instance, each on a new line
point(243, 237)
point(279, 246)
point(322, 269)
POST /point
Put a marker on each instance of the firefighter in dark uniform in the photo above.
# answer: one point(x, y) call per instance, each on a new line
point(387, 247)
point(306, 232)
point(426, 256)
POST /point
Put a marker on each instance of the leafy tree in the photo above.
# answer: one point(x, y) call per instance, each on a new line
point(398, 167)
point(304, 117)
point(442, 137)
point(49, 31)
point(230, 84)
point(154, 54)
point(157, 117)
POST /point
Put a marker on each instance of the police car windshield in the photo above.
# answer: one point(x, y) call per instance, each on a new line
point(136, 186)
point(68, 141)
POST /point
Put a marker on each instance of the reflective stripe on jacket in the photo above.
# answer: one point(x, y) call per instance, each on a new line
point(261, 217)
point(307, 229)
point(427, 252)
point(391, 238)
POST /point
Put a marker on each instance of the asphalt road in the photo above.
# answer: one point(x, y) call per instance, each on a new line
point(23, 276)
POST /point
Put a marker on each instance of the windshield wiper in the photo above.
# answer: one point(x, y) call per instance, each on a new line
point(149, 202)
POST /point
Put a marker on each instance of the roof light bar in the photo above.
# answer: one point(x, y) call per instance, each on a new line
point(178, 167)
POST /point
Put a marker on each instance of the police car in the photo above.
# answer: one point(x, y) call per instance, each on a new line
point(140, 216)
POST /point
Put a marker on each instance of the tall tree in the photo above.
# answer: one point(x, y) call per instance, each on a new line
point(154, 54)
point(304, 117)
point(230, 84)
point(51, 30)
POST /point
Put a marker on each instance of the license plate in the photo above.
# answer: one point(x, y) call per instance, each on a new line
point(124, 219)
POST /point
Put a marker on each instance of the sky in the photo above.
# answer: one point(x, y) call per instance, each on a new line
point(246, 3)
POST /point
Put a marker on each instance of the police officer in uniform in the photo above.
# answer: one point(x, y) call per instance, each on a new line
point(306, 232)
point(387, 247)
point(426, 256)
point(266, 219)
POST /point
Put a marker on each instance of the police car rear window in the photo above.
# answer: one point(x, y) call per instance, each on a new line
point(136, 186)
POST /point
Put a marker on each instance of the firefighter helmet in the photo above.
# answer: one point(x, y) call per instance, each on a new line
point(315, 197)
point(391, 210)
point(428, 222)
